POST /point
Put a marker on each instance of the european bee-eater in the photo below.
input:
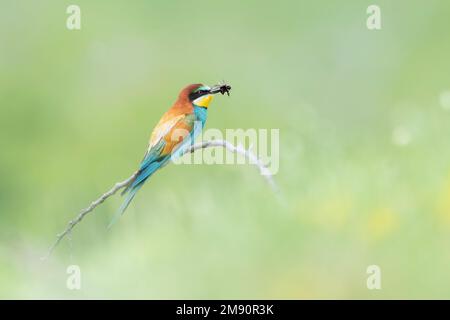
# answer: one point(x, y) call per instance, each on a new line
point(180, 125)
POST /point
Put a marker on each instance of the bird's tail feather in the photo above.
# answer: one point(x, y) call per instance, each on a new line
point(131, 193)
point(134, 186)
point(128, 187)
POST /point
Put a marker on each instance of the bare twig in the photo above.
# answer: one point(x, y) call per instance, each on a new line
point(253, 159)
point(84, 212)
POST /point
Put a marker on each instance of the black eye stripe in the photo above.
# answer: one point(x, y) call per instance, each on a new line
point(197, 94)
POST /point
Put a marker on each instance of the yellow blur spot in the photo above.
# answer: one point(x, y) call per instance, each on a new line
point(382, 223)
point(443, 205)
point(334, 212)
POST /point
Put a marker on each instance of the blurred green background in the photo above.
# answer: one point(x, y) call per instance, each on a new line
point(364, 119)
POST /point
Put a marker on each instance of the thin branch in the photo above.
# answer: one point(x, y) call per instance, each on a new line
point(84, 212)
point(253, 159)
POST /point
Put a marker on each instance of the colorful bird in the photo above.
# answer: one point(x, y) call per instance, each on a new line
point(178, 127)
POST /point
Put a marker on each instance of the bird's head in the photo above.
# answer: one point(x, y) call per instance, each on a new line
point(201, 95)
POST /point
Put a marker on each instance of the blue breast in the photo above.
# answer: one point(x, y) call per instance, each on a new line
point(201, 114)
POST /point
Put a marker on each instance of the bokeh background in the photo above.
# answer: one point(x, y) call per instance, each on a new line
point(364, 119)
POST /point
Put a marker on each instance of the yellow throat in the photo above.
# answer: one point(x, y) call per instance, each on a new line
point(203, 101)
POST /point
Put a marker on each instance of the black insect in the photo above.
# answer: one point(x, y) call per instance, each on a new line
point(222, 89)
point(225, 89)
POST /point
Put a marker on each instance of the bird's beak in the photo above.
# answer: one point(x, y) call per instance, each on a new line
point(221, 88)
